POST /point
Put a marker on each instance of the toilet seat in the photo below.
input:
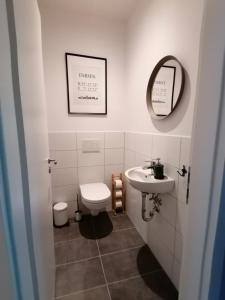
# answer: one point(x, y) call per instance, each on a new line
point(95, 192)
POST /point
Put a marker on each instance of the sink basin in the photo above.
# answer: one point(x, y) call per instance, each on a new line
point(142, 180)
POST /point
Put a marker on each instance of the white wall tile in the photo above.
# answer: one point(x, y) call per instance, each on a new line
point(159, 147)
point(176, 274)
point(90, 159)
point(61, 177)
point(114, 156)
point(168, 208)
point(114, 140)
point(140, 159)
point(130, 159)
point(172, 172)
point(72, 207)
point(167, 148)
point(62, 140)
point(178, 247)
point(130, 141)
point(143, 144)
point(67, 176)
point(65, 159)
point(91, 174)
point(161, 252)
point(185, 151)
point(64, 193)
point(166, 260)
point(90, 135)
point(112, 169)
point(164, 231)
point(173, 151)
point(182, 217)
point(133, 205)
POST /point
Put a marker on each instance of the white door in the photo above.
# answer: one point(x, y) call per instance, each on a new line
point(32, 94)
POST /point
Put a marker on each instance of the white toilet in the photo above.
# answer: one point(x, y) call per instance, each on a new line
point(95, 196)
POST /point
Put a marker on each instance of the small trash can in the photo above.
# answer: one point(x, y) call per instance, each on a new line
point(60, 213)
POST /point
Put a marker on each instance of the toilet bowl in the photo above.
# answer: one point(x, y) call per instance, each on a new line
point(95, 196)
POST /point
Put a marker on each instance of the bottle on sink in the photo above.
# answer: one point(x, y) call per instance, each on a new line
point(158, 170)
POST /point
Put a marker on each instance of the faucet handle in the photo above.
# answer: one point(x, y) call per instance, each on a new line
point(158, 159)
point(150, 164)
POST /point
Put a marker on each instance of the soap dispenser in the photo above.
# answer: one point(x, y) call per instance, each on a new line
point(158, 170)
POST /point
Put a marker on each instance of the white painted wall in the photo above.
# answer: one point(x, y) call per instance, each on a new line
point(132, 48)
point(157, 29)
point(64, 31)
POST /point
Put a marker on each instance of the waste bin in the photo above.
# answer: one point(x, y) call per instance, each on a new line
point(60, 213)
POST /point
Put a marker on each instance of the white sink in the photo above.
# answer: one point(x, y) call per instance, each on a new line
point(142, 180)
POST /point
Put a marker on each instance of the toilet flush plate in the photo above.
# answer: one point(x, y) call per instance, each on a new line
point(90, 146)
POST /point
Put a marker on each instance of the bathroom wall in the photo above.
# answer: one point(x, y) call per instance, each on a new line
point(65, 31)
point(133, 48)
point(75, 167)
point(118, 152)
point(157, 29)
point(165, 234)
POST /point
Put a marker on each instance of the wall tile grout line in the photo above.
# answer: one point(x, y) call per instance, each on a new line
point(103, 271)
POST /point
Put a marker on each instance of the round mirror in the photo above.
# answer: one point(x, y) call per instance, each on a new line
point(165, 87)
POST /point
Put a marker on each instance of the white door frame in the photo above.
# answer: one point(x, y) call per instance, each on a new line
point(15, 203)
point(208, 156)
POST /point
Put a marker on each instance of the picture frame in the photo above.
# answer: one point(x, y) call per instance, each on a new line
point(86, 78)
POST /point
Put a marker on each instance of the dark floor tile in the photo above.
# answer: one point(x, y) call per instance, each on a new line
point(75, 230)
point(73, 250)
point(155, 286)
point(129, 263)
point(78, 276)
point(120, 221)
point(96, 294)
point(120, 240)
point(132, 289)
point(66, 233)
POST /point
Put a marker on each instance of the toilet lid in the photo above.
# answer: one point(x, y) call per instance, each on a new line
point(95, 192)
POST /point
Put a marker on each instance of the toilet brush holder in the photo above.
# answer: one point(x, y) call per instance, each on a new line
point(78, 212)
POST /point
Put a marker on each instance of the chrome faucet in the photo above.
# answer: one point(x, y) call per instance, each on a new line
point(150, 164)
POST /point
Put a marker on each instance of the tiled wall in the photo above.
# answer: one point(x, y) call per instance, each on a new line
point(75, 167)
point(165, 233)
point(118, 152)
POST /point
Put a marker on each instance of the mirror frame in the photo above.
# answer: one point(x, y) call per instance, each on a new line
point(151, 83)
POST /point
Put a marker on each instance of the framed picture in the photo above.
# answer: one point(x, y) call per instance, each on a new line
point(86, 84)
point(163, 90)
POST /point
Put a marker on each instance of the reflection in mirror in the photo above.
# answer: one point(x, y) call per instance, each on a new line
point(165, 87)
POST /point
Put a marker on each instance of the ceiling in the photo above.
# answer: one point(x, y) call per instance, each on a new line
point(116, 9)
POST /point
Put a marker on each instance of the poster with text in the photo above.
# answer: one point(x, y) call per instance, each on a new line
point(86, 84)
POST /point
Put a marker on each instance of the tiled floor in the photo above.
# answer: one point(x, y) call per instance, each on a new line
point(103, 258)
